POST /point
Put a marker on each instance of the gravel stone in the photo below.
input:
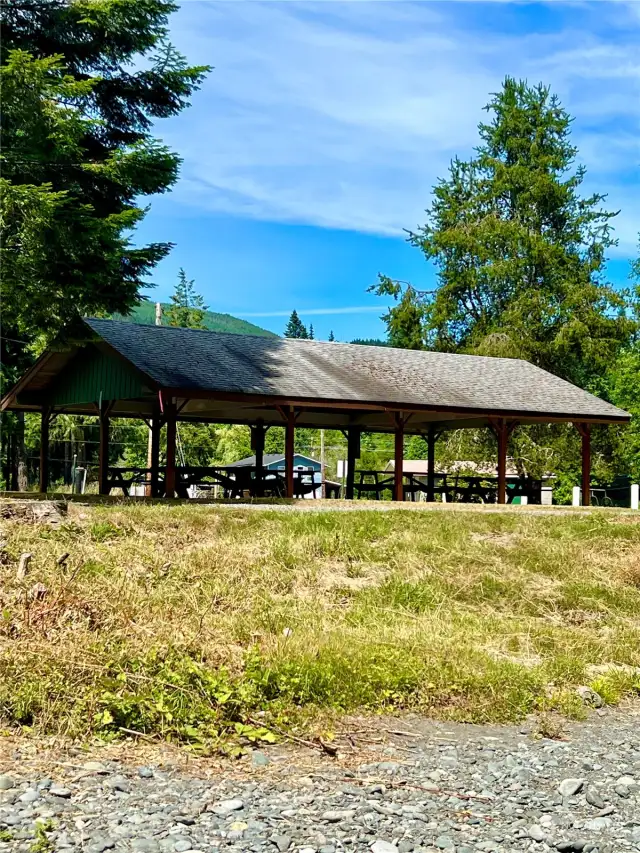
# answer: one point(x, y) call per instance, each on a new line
point(6, 783)
point(337, 815)
point(96, 767)
point(100, 845)
point(29, 796)
point(594, 799)
point(569, 787)
point(537, 833)
point(590, 697)
point(381, 846)
point(598, 823)
point(448, 787)
point(259, 759)
point(228, 806)
point(118, 783)
point(145, 845)
point(60, 791)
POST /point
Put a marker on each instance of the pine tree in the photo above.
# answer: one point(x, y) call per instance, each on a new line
point(84, 83)
point(332, 337)
point(295, 328)
point(311, 331)
point(187, 307)
point(520, 253)
point(405, 321)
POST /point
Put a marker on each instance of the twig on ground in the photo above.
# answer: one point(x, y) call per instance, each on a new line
point(403, 733)
point(137, 734)
point(318, 745)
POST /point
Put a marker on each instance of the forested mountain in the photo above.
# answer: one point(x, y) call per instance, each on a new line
point(146, 313)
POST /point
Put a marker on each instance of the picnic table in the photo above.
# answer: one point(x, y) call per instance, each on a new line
point(233, 481)
point(125, 478)
point(452, 488)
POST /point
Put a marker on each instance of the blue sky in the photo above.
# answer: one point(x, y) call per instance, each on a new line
point(318, 136)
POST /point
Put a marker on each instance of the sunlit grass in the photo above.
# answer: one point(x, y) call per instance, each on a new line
point(182, 620)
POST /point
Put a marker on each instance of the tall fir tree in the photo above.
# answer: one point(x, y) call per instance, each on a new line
point(311, 332)
point(84, 84)
point(332, 337)
point(405, 321)
point(295, 328)
point(187, 307)
point(520, 252)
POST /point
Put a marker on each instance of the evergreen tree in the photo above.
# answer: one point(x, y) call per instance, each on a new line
point(295, 328)
point(332, 337)
point(187, 307)
point(311, 333)
point(405, 321)
point(520, 253)
point(370, 342)
point(83, 83)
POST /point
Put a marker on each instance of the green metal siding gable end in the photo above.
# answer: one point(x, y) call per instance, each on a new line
point(93, 376)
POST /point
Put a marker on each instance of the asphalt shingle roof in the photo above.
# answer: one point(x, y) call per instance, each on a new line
point(267, 459)
point(250, 461)
point(297, 369)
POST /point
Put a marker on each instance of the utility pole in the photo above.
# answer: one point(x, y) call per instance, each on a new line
point(149, 486)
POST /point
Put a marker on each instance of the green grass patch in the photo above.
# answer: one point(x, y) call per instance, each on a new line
point(185, 622)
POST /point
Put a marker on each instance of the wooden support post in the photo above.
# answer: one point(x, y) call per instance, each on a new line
point(290, 430)
point(103, 450)
point(502, 465)
point(398, 463)
point(585, 432)
point(45, 420)
point(257, 439)
point(353, 453)
point(170, 471)
point(432, 437)
point(502, 435)
point(502, 430)
point(153, 461)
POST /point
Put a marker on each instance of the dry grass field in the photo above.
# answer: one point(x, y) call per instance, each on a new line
point(193, 622)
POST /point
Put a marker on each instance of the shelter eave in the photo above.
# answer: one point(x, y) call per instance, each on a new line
point(366, 406)
point(319, 413)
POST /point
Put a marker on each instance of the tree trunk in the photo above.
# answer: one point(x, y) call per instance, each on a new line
point(13, 462)
point(21, 456)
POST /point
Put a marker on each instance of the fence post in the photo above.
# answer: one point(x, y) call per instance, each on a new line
point(635, 496)
point(576, 496)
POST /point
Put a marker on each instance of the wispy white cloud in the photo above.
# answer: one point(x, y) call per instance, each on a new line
point(345, 114)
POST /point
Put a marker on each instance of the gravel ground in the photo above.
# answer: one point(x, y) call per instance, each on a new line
point(446, 787)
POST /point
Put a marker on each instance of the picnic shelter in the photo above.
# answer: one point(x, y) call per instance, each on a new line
point(165, 375)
